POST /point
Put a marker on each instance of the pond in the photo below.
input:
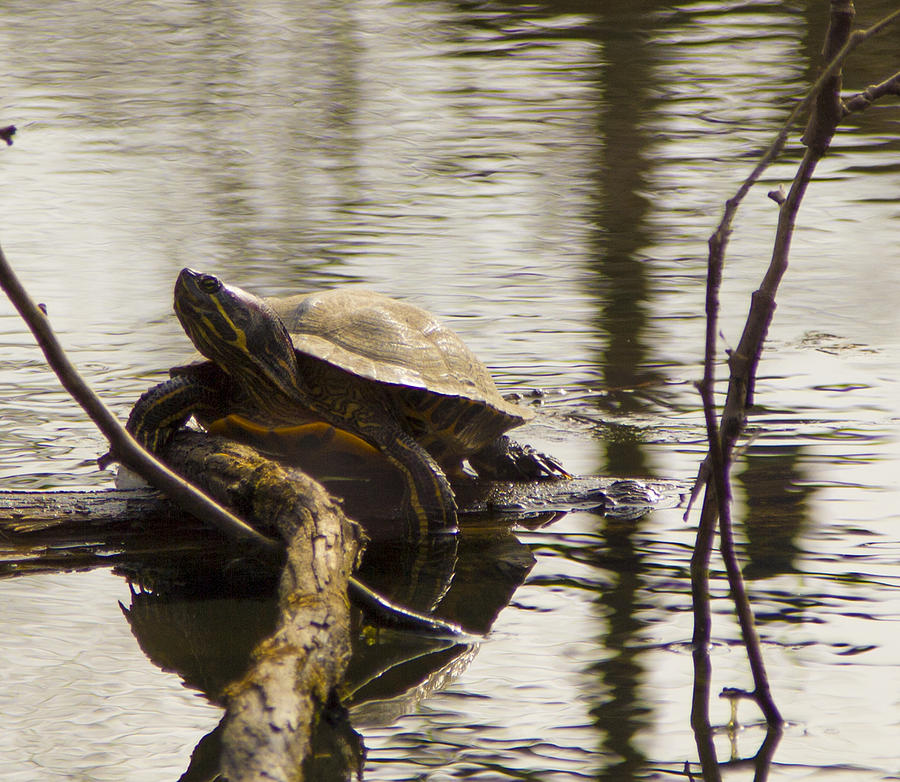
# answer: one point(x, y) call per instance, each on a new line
point(544, 177)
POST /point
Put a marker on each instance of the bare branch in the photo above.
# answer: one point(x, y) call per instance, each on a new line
point(862, 100)
point(827, 111)
point(774, 149)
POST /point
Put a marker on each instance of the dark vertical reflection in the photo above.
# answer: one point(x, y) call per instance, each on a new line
point(620, 275)
point(619, 280)
point(620, 715)
point(777, 510)
point(621, 284)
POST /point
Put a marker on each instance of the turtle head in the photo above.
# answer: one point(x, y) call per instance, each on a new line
point(238, 331)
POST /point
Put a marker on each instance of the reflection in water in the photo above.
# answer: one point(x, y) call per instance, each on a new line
point(620, 717)
point(206, 638)
point(777, 507)
point(621, 279)
point(622, 286)
point(206, 631)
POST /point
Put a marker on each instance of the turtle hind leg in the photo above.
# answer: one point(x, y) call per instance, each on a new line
point(428, 493)
point(506, 460)
point(370, 412)
point(429, 499)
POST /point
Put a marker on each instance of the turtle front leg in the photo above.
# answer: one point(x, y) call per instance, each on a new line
point(506, 460)
point(160, 412)
point(163, 410)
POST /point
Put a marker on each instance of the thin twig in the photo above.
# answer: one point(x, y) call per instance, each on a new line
point(127, 450)
point(743, 361)
point(718, 242)
point(870, 94)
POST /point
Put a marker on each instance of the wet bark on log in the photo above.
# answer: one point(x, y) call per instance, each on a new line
point(272, 711)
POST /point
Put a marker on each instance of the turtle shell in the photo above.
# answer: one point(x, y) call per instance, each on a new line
point(388, 341)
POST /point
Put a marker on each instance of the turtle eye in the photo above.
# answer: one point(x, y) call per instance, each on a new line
point(209, 284)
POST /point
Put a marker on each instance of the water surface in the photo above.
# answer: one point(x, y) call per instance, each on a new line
point(543, 177)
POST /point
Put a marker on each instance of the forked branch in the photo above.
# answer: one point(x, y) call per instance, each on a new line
point(723, 433)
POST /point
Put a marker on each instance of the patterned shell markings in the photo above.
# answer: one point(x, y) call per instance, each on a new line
point(389, 341)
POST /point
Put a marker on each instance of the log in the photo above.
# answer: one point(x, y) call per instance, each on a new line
point(49, 526)
point(49, 531)
point(272, 712)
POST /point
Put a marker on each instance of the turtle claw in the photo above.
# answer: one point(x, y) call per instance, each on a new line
point(506, 460)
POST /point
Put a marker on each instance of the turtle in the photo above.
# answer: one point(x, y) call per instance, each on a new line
point(376, 368)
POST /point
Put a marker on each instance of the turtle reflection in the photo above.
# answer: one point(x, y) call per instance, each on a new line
point(206, 632)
